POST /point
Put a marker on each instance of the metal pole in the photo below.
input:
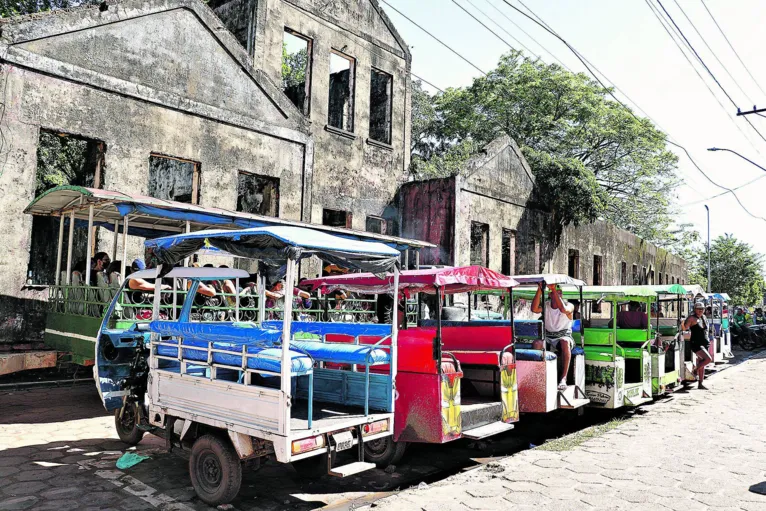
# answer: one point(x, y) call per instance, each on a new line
point(60, 250)
point(69, 249)
point(286, 320)
point(188, 230)
point(114, 240)
point(708, 247)
point(395, 331)
point(89, 251)
point(125, 222)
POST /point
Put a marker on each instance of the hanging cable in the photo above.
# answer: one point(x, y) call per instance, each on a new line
point(503, 29)
point(435, 38)
point(732, 48)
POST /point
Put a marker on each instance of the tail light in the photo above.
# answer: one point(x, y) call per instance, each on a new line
point(308, 444)
point(374, 428)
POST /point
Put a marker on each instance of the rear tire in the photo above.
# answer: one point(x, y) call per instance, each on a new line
point(215, 470)
point(384, 451)
point(127, 427)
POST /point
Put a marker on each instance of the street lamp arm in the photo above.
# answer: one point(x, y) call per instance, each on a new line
point(735, 152)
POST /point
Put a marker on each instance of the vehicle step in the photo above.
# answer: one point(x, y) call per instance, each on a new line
point(487, 430)
point(478, 414)
point(572, 403)
point(351, 469)
point(637, 401)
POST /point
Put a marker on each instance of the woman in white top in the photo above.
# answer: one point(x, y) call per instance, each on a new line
point(558, 328)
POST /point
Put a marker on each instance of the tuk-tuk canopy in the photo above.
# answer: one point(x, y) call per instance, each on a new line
point(548, 279)
point(613, 293)
point(150, 217)
point(693, 290)
point(451, 280)
point(274, 245)
point(668, 290)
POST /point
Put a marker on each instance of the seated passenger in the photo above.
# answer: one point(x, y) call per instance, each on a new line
point(98, 265)
point(558, 328)
point(113, 275)
point(634, 317)
point(141, 284)
point(204, 289)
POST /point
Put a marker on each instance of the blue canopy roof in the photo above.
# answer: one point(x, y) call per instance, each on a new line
point(273, 245)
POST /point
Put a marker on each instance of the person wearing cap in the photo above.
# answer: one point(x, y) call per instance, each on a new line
point(697, 324)
point(558, 328)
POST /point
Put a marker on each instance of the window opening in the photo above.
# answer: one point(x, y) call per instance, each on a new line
point(509, 252)
point(573, 269)
point(598, 270)
point(375, 224)
point(623, 273)
point(341, 102)
point(296, 69)
point(336, 218)
point(381, 85)
point(635, 274)
point(62, 159)
point(479, 244)
point(173, 179)
point(258, 194)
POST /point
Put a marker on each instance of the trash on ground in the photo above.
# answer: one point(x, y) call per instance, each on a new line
point(130, 459)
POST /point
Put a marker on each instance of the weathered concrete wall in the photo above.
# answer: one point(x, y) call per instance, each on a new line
point(496, 189)
point(351, 173)
point(170, 100)
point(427, 213)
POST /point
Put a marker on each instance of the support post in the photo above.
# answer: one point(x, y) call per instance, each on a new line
point(188, 230)
point(89, 251)
point(69, 249)
point(261, 299)
point(395, 328)
point(236, 303)
point(286, 321)
point(125, 222)
point(114, 239)
point(60, 250)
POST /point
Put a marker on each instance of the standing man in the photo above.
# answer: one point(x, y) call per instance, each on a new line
point(697, 324)
point(558, 328)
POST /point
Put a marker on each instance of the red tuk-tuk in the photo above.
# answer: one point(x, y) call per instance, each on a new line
point(454, 378)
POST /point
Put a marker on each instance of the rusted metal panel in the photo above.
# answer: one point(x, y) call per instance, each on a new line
point(15, 362)
point(428, 214)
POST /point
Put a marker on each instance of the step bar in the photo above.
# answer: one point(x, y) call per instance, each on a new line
point(487, 430)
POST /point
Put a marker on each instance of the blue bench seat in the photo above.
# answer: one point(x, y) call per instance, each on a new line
point(343, 353)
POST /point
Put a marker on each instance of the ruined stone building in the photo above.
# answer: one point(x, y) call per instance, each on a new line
point(487, 216)
point(290, 108)
point(298, 109)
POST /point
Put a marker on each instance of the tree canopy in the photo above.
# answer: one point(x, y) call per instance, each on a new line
point(735, 268)
point(591, 156)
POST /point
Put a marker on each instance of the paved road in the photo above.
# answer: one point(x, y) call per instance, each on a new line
point(58, 450)
point(698, 450)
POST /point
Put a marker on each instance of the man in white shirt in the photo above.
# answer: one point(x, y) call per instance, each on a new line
point(558, 328)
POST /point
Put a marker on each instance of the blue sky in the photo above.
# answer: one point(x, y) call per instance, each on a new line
point(626, 42)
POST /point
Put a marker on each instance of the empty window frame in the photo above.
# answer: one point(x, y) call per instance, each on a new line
point(651, 277)
point(479, 244)
point(173, 179)
point(296, 69)
point(381, 89)
point(375, 224)
point(340, 108)
point(62, 159)
point(573, 268)
point(635, 274)
point(623, 273)
point(598, 270)
point(258, 194)
point(509, 252)
point(336, 218)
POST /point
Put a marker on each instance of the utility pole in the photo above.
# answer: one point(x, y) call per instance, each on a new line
point(755, 111)
point(708, 247)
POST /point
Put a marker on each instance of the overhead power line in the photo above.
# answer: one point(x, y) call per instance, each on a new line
point(435, 38)
point(611, 93)
point(732, 48)
point(707, 68)
point(426, 81)
point(704, 41)
point(483, 25)
point(498, 25)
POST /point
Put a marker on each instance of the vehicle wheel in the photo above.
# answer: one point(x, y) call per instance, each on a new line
point(313, 467)
point(384, 451)
point(215, 470)
point(127, 426)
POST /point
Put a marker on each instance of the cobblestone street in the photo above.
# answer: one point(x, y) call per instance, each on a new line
point(693, 450)
point(697, 450)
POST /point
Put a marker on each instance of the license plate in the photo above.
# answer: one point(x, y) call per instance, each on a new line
point(343, 441)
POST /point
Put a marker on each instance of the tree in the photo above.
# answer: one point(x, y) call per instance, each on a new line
point(735, 268)
point(573, 135)
point(294, 67)
point(10, 8)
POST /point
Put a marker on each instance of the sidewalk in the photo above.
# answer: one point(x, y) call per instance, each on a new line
point(696, 450)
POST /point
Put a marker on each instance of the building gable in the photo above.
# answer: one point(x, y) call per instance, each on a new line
point(179, 50)
point(500, 171)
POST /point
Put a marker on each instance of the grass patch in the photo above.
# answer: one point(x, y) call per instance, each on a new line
point(569, 442)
